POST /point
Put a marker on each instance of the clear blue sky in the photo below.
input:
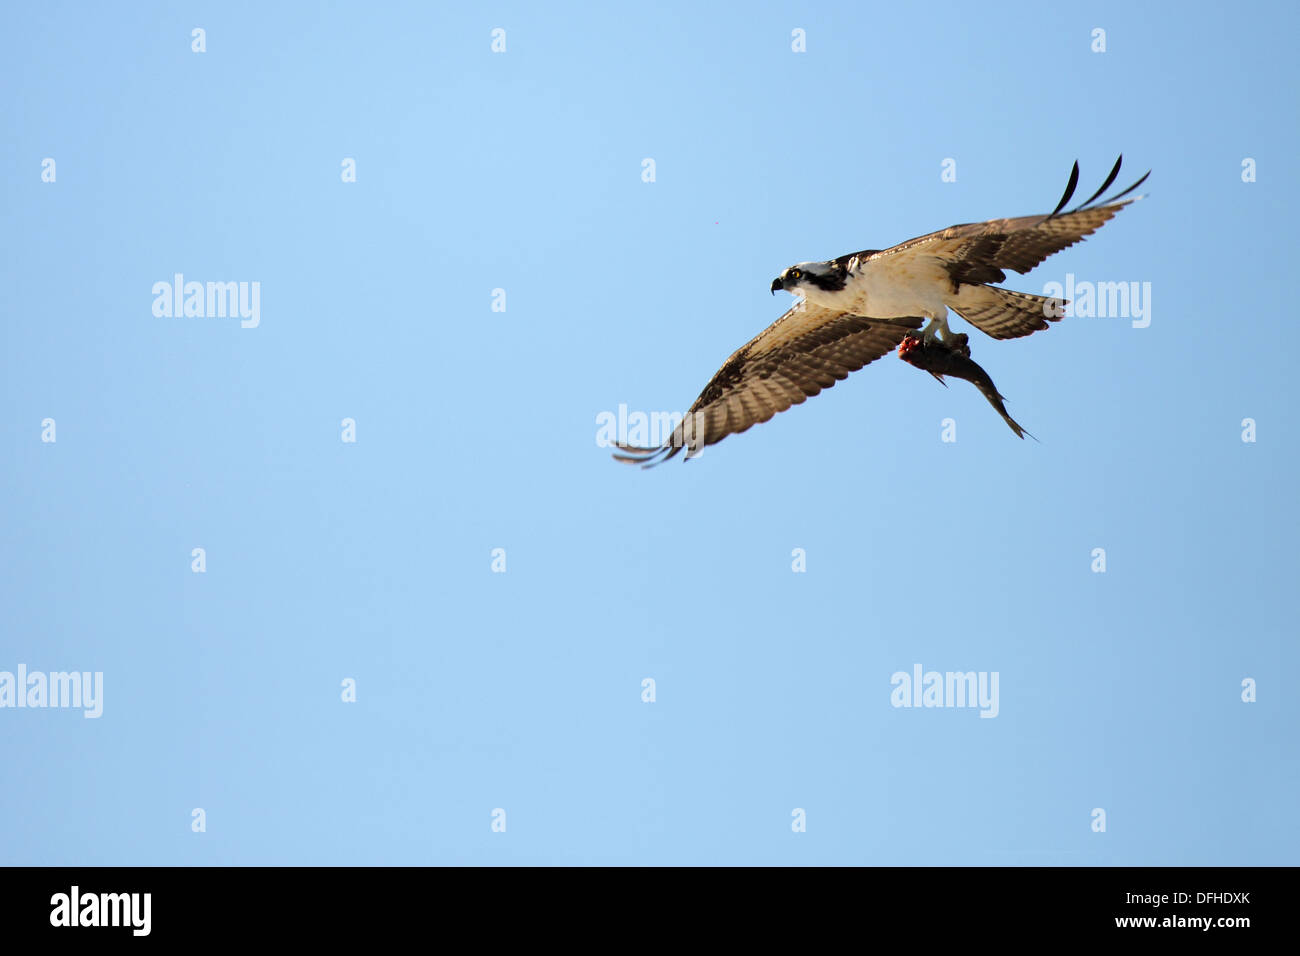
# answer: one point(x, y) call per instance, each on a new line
point(476, 429)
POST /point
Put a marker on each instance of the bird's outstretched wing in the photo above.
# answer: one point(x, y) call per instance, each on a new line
point(979, 252)
point(806, 350)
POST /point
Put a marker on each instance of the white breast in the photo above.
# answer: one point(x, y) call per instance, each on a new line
point(891, 289)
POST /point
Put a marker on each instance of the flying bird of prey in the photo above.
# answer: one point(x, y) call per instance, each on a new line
point(854, 309)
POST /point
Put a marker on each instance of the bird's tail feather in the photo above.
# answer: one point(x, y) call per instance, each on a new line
point(1004, 314)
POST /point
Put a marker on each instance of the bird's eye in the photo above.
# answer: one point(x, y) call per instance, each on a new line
point(795, 273)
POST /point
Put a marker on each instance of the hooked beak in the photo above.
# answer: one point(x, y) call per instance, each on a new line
point(777, 283)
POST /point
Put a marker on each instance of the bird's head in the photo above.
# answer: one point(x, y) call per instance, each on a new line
point(798, 278)
point(788, 280)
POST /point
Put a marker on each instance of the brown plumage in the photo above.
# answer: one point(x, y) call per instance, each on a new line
point(806, 350)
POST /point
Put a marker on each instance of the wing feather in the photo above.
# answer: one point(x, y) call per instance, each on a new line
point(979, 252)
point(807, 350)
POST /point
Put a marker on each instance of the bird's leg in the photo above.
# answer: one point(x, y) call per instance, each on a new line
point(930, 333)
point(936, 330)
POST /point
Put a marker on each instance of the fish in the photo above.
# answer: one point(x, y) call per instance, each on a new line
point(953, 358)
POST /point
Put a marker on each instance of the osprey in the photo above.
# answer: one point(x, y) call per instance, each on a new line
point(854, 309)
